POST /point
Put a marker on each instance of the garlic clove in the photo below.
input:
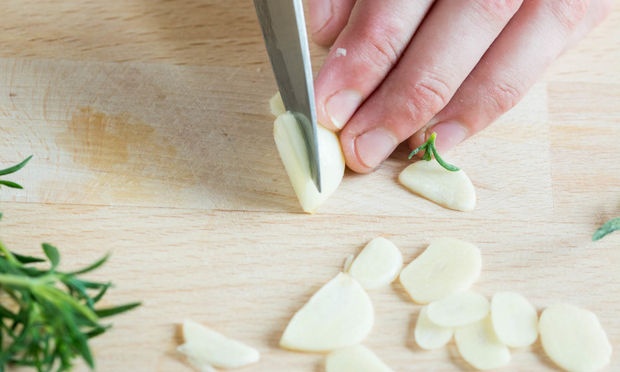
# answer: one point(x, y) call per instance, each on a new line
point(339, 314)
point(574, 338)
point(206, 348)
point(378, 264)
point(428, 335)
point(445, 267)
point(430, 180)
point(357, 358)
point(291, 147)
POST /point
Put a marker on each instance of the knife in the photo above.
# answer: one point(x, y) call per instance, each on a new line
point(284, 31)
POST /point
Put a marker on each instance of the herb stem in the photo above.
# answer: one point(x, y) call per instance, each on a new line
point(607, 228)
point(430, 151)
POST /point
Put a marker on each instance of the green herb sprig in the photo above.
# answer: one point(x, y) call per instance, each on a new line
point(607, 228)
point(430, 151)
point(13, 169)
point(47, 316)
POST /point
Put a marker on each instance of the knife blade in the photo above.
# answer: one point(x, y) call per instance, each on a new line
point(284, 30)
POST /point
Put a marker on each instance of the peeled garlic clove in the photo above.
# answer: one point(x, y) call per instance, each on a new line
point(292, 149)
point(339, 314)
point(206, 348)
point(514, 319)
point(480, 347)
point(378, 264)
point(276, 105)
point(428, 335)
point(430, 180)
point(574, 338)
point(458, 309)
point(357, 358)
point(445, 267)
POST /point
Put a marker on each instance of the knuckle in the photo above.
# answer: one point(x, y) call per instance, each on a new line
point(428, 96)
point(569, 12)
point(499, 9)
point(503, 96)
point(383, 47)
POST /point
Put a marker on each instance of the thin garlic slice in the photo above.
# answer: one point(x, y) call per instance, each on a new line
point(445, 267)
point(378, 264)
point(430, 180)
point(292, 150)
point(206, 348)
point(339, 314)
point(480, 347)
point(428, 335)
point(574, 338)
point(458, 309)
point(276, 105)
point(514, 319)
point(357, 358)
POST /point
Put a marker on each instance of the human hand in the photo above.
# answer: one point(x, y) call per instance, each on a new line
point(399, 70)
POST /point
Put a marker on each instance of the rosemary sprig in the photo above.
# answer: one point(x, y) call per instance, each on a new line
point(430, 151)
point(607, 228)
point(47, 316)
point(13, 169)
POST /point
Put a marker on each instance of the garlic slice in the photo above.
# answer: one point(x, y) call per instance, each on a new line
point(428, 335)
point(357, 358)
point(292, 150)
point(206, 348)
point(574, 338)
point(445, 267)
point(378, 264)
point(480, 347)
point(339, 314)
point(430, 180)
point(514, 319)
point(276, 105)
point(458, 309)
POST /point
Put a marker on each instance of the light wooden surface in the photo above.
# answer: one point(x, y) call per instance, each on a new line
point(152, 139)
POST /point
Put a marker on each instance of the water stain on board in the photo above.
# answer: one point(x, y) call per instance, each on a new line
point(124, 153)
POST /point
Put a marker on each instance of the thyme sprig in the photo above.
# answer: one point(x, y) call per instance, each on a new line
point(13, 169)
point(607, 228)
point(430, 151)
point(47, 316)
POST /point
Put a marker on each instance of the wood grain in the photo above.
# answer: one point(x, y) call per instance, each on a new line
point(152, 139)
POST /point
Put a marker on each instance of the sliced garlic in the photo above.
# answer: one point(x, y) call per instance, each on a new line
point(206, 348)
point(445, 267)
point(378, 264)
point(458, 309)
point(430, 180)
point(339, 314)
point(276, 105)
point(573, 338)
point(357, 358)
point(480, 347)
point(428, 335)
point(292, 150)
point(515, 320)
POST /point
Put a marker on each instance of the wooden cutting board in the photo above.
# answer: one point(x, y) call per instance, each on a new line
point(152, 139)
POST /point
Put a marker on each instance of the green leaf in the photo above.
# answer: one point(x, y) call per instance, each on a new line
point(106, 312)
point(16, 167)
point(430, 151)
point(52, 254)
point(27, 259)
point(11, 184)
point(91, 267)
point(607, 228)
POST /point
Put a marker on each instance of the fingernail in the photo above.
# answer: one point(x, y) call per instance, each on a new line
point(375, 146)
point(449, 134)
point(320, 14)
point(341, 106)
